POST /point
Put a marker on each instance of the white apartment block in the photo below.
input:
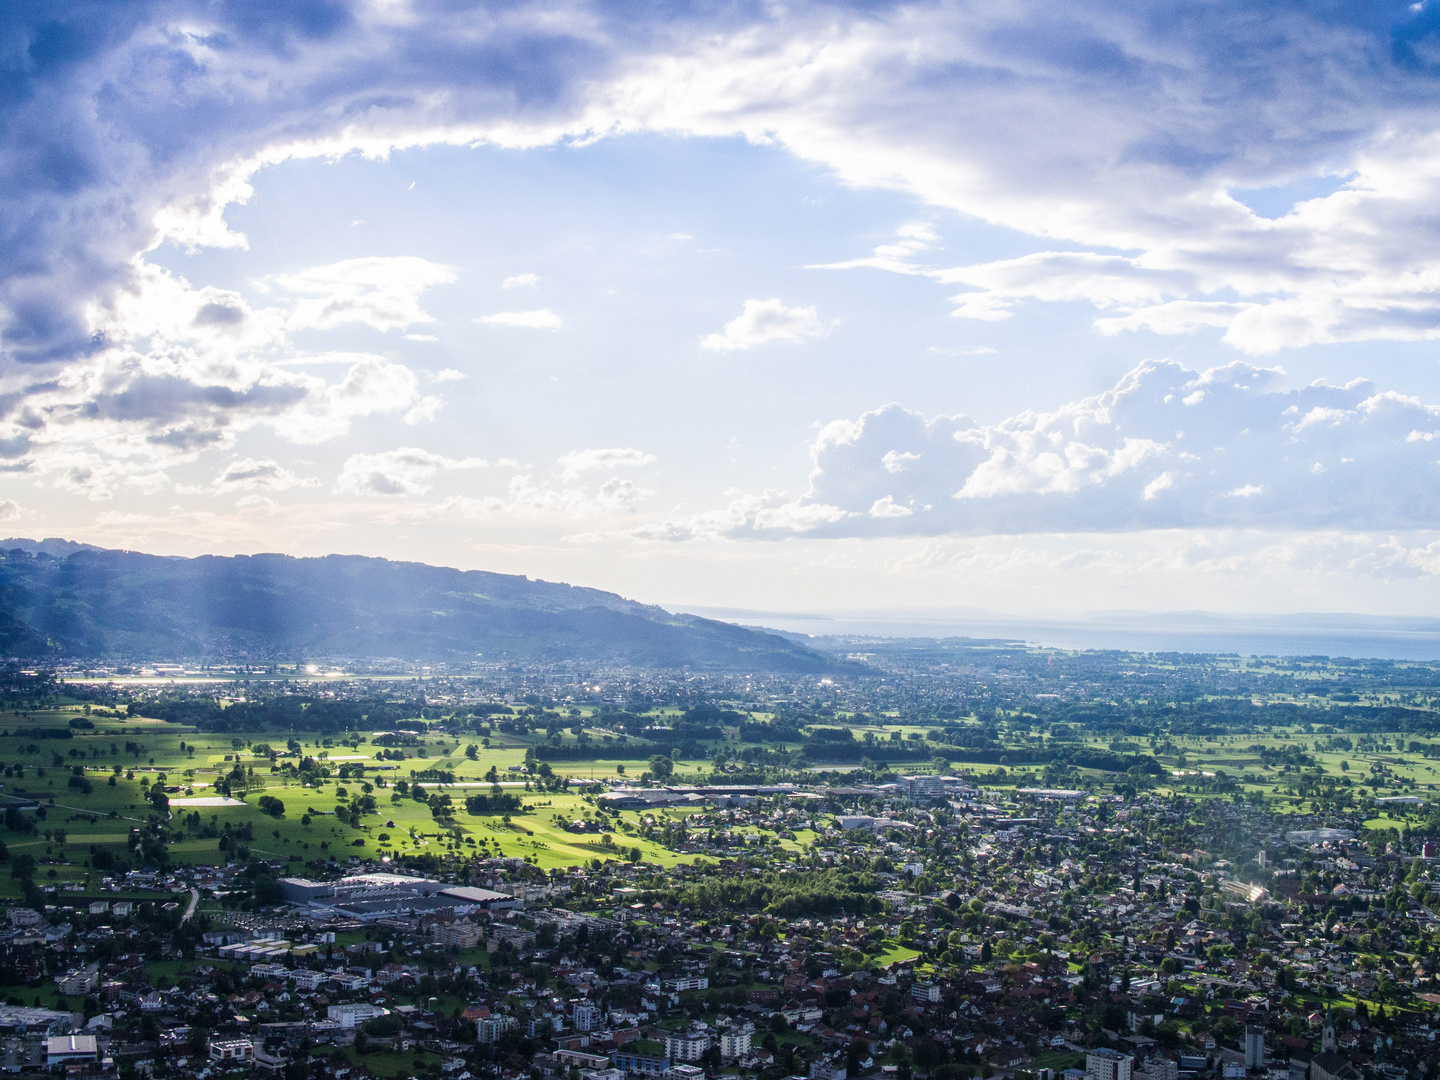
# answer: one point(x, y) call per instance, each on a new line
point(688, 1047)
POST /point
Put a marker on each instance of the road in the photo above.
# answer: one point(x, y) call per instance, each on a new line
point(194, 900)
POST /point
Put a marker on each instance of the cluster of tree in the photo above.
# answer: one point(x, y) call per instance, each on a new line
point(836, 750)
point(279, 712)
point(789, 894)
point(781, 730)
point(502, 803)
point(397, 738)
point(353, 813)
point(1287, 755)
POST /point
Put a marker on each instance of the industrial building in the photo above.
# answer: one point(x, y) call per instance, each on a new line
point(371, 897)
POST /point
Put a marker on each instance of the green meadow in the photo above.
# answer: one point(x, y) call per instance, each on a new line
point(120, 759)
point(94, 787)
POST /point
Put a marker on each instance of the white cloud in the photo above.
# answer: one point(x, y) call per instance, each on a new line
point(896, 255)
point(540, 319)
point(10, 510)
point(1167, 447)
point(889, 508)
point(895, 461)
point(250, 474)
point(187, 370)
point(382, 292)
point(1109, 128)
point(578, 462)
point(371, 386)
point(1157, 487)
point(406, 471)
point(1123, 142)
point(449, 375)
point(529, 498)
point(424, 410)
point(619, 495)
point(121, 417)
point(762, 321)
point(521, 281)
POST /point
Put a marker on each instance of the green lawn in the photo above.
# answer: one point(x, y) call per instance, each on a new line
point(386, 1063)
point(895, 953)
point(144, 749)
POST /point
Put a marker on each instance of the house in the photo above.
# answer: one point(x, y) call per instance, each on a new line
point(80, 980)
point(232, 1050)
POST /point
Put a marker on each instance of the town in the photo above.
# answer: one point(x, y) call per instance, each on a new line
point(893, 874)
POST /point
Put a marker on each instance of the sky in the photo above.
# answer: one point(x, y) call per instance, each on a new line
point(790, 307)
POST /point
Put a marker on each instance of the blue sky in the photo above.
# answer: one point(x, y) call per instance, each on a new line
point(819, 308)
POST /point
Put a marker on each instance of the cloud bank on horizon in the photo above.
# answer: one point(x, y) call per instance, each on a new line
point(1166, 448)
point(1269, 177)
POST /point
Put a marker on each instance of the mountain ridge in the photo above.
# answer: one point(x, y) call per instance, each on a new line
point(82, 601)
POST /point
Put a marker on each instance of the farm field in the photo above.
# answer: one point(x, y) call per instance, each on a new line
point(91, 771)
point(93, 790)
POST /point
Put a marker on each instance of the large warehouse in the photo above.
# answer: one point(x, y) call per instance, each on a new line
point(369, 897)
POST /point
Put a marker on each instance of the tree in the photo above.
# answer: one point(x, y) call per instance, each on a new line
point(661, 767)
point(472, 751)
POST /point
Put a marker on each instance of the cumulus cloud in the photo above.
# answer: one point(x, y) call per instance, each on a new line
point(382, 292)
point(521, 281)
point(762, 321)
point(251, 474)
point(120, 417)
point(1138, 133)
point(578, 462)
point(539, 319)
point(406, 471)
point(371, 386)
point(1142, 138)
point(186, 370)
point(1167, 447)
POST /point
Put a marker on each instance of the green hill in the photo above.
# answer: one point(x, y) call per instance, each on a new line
point(63, 600)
